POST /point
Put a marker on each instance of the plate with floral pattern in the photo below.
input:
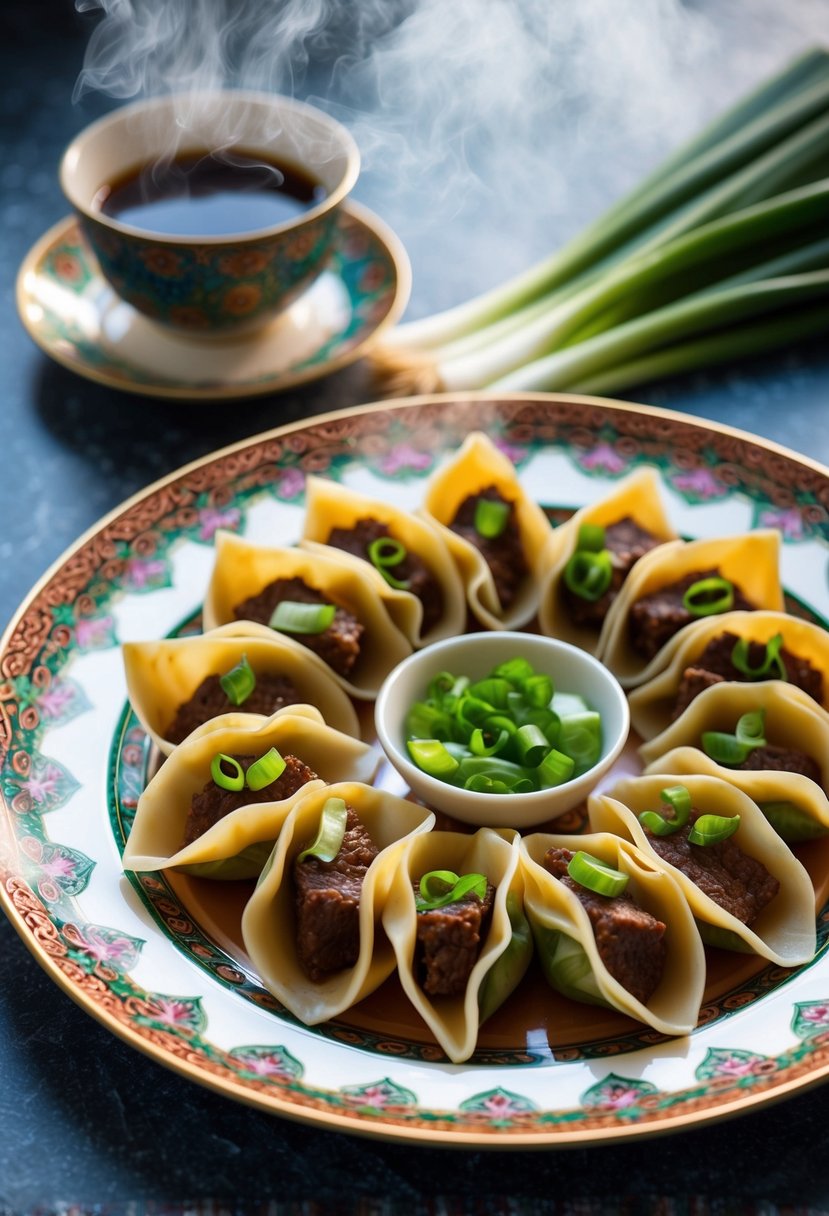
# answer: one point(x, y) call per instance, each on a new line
point(157, 957)
point(74, 315)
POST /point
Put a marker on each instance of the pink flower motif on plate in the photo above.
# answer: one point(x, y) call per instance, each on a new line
point(95, 632)
point(701, 483)
point(291, 484)
point(787, 520)
point(54, 702)
point(616, 1093)
point(603, 459)
point(267, 1061)
point(403, 458)
point(211, 519)
point(143, 573)
point(512, 451)
point(810, 1017)
point(109, 946)
point(179, 1013)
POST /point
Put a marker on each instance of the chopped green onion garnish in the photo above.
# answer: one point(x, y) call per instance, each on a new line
point(580, 736)
point(329, 838)
point(265, 770)
point(709, 596)
point(532, 745)
point(491, 517)
point(733, 749)
point(293, 617)
point(516, 671)
point(431, 756)
point(588, 574)
point(238, 683)
point(441, 887)
point(234, 780)
point(596, 875)
point(711, 829)
point(384, 553)
point(591, 538)
point(539, 691)
point(677, 797)
point(482, 742)
point(555, 769)
point(771, 661)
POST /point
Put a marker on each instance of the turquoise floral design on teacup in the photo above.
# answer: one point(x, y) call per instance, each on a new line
point(211, 284)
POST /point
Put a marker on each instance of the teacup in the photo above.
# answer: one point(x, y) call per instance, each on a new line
point(209, 284)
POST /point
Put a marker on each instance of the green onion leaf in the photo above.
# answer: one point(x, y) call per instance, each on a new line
point(771, 660)
point(591, 538)
point(733, 749)
point(531, 744)
point(539, 691)
point(709, 596)
point(238, 683)
point(441, 887)
point(482, 743)
point(555, 769)
point(515, 671)
point(580, 736)
point(494, 690)
point(265, 770)
point(331, 831)
point(491, 517)
point(384, 553)
point(588, 574)
point(658, 824)
point(596, 875)
point(431, 756)
point(711, 829)
point(234, 780)
point(791, 822)
point(293, 617)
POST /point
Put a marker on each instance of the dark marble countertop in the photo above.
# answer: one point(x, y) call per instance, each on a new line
point(84, 1119)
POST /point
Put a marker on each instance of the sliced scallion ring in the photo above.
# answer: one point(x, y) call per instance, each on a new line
point(385, 553)
point(265, 770)
point(441, 887)
point(292, 616)
point(658, 824)
point(596, 875)
point(491, 517)
point(238, 683)
point(591, 538)
point(431, 756)
point(733, 749)
point(235, 780)
point(711, 829)
point(588, 574)
point(709, 596)
point(331, 831)
point(771, 661)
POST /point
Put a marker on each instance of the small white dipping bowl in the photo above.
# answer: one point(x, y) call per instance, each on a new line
point(474, 655)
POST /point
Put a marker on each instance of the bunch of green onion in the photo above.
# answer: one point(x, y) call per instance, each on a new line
point(510, 732)
point(720, 254)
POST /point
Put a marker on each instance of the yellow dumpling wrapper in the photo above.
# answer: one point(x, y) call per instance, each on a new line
point(268, 921)
point(652, 703)
point(751, 560)
point(329, 505)
point(637, 496)
point(163, 675)
point(504, 955)
point(554, 910)
point(155, 841)
point(242, 570)
point(477, 465)
point(784, 931)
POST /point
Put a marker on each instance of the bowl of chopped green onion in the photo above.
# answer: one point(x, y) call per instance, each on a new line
point(502, 729)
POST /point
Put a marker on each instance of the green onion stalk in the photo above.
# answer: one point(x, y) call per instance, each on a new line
point(720, 254)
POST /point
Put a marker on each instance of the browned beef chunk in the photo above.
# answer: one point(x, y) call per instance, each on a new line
point(657, 617)
point(738, 883)
point(714, 663)
point(338, 646)
point(411, 569)
point(210, 699)
point(327, 903)
point(449, 940)
point(626, 542)
point(630, 941)
point(503, 554)
point(781, 759)
point(212, 802)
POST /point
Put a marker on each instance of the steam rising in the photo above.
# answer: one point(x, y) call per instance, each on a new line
point(520, 118)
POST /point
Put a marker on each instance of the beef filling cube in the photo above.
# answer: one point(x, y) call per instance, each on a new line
point(714, 664)
point(626, 542)
point(411, 569)
point(327, 903)
point(630, 941)
point(338, 646)
point(209, 700)
point(656, 617)
point(781, 759)
point(449, 941)
point(503, 554)
point(213, 802)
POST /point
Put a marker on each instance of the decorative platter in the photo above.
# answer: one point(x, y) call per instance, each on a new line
point(158, 959)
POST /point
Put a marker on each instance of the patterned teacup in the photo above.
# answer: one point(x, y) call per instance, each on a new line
point(200, 283)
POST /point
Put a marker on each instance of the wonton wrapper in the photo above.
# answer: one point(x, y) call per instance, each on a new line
point(553, 909)
point(479, 464)
point(154, 842)
point(504, 956)
point(784, 932)
point(749, 559)
point(242, 569)
point(268, 920)
point(330, 505)
point(637, 496)
point(651, 704)
point(163, 675)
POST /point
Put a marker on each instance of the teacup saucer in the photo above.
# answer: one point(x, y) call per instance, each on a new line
point(74, 315)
